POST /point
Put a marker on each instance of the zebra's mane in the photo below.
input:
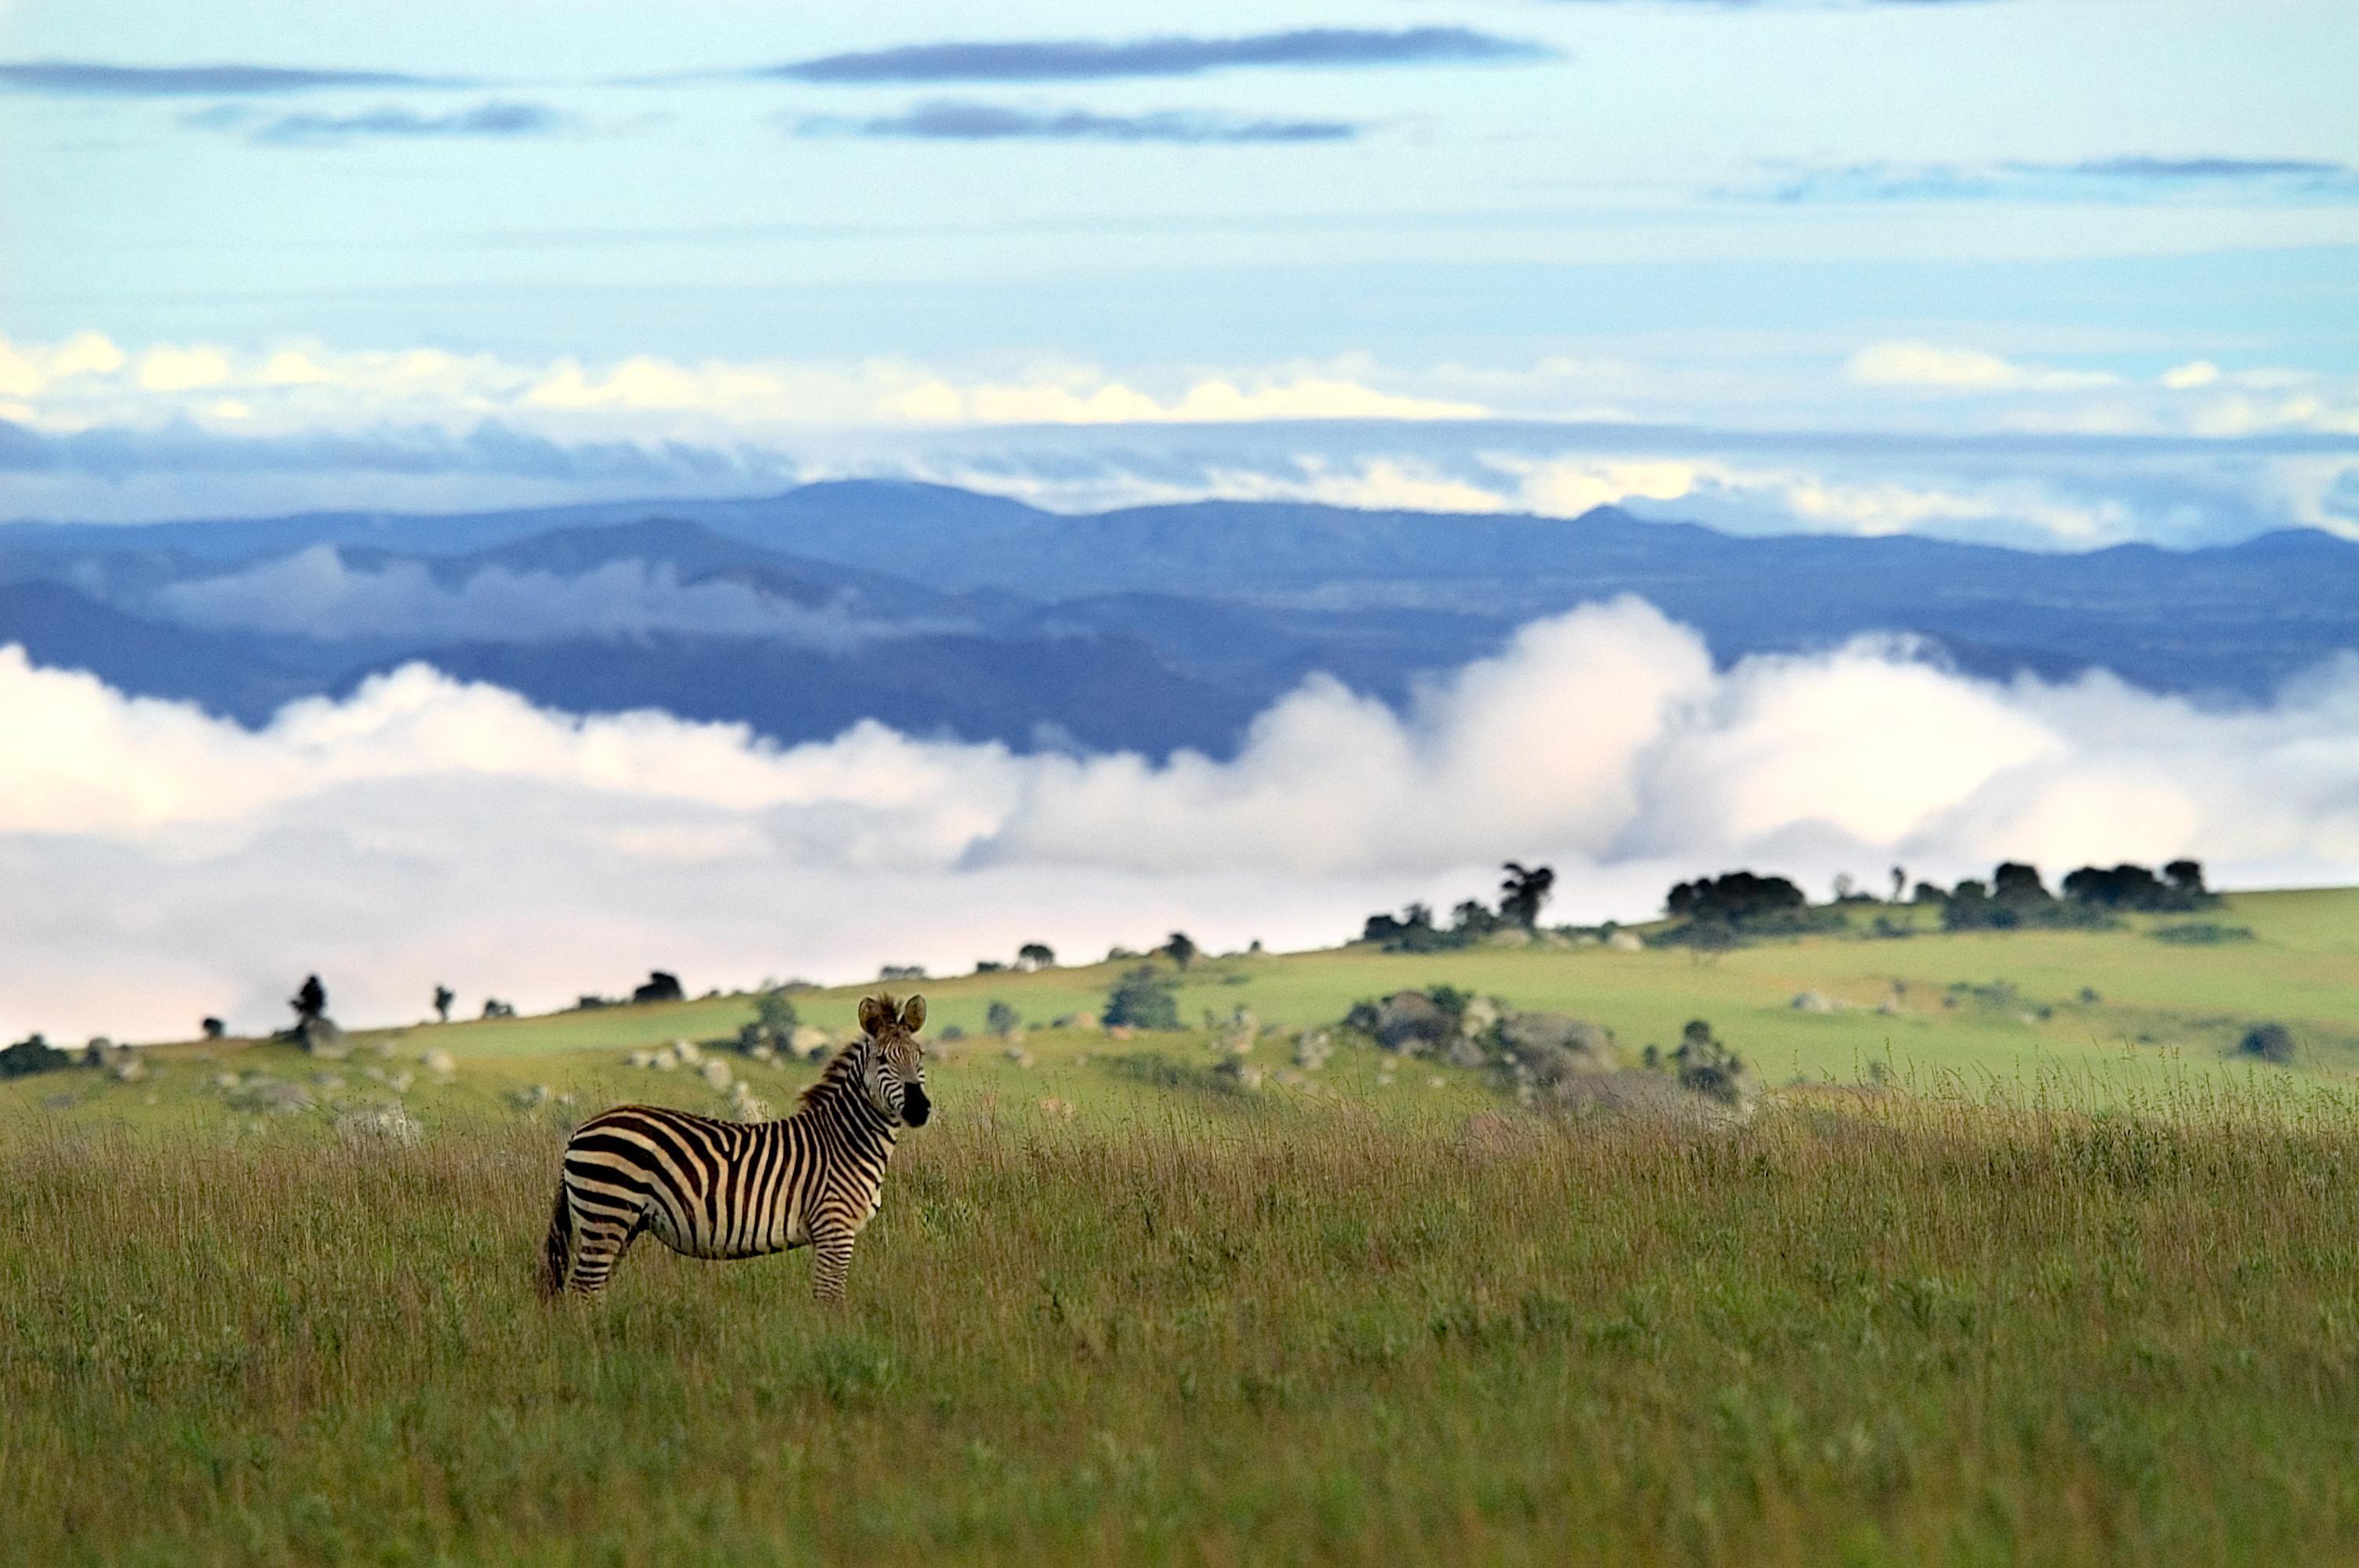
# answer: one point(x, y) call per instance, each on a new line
point(841, 1070)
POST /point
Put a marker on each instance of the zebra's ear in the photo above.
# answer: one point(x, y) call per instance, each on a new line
point(874, 1015)
point(913, 1015)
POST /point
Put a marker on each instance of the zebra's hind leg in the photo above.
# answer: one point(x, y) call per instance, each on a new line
point(604, 1239)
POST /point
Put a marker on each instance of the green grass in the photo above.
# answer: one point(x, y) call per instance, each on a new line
point(2091, 1294)
point(1900, 1331)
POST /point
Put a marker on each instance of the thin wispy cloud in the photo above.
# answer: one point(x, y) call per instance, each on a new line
point(97, 80)
point(494, 120)
point(2134, 178)
point(965, 122)
point(1086, 59)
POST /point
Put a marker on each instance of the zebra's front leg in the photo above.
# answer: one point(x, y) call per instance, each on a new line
point(831, 1257)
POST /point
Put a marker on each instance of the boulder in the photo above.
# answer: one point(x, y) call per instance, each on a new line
point(1532, 1036)
point(1813, 1002)
point(1412, 1023)
point(1626, 942)
point(809, 1041)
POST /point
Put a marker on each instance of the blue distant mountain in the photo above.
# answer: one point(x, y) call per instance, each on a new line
point(1146, 628)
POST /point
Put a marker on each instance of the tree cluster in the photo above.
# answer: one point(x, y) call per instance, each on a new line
point(1414, 930)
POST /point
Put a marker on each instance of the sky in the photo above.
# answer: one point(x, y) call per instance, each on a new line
point(2056, 274)
point(1860, 266)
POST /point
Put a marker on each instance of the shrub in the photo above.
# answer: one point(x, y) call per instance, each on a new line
point(2203, 933)
point(1001, 1019)
point(1142, 999)
point(2269, 1042)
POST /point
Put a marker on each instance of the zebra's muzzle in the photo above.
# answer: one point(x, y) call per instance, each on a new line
point(915, 1106)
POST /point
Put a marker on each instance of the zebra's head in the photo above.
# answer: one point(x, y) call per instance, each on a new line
point(896, 1075)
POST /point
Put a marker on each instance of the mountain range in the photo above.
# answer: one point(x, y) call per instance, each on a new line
point(941, 612)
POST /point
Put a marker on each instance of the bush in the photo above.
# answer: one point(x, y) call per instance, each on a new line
point(1142, 999)
point(1001, 1019)
point(2269, 1042)
point(2203, 933)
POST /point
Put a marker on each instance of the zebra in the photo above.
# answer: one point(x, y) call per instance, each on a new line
point(721, 1189)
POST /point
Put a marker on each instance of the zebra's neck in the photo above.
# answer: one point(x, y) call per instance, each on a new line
point(839, 1100)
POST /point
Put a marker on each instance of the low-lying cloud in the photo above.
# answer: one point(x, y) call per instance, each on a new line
point(164, 865)
point(1087, 60)
point(314, 593)
point(965, 122)
point(2134, 180)
point(98, 79)
point(496, 120)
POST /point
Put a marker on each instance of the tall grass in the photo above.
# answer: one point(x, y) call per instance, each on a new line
point(1869, 1329)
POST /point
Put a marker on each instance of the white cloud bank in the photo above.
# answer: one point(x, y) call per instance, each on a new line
point(163, 865)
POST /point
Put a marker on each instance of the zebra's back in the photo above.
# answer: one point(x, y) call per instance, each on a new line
point(702, 1187)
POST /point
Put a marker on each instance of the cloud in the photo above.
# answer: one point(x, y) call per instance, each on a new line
point(164, 865)
point(314, 593)
point(491, 121)
point(2127, 179)
point(950, 121)
point(1091, 60)
point(91, 78)
point(1946, 368)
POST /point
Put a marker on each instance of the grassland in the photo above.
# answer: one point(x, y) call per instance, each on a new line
point(2090, 1293)
point(1897, 1331)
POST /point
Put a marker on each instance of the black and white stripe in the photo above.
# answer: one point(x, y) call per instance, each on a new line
point(719, 1189)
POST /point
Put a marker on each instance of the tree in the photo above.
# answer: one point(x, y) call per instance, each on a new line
point(2187, 876)
point(1521, 895)
point(310, 1002)
point(1036, 956)
point(215, 1028)
point(2015, 883)
point(1001, 1019)
point(1738, 898)
point(1181, 950)
point(662, 986)
point(774, 1012)
point(1142, 999)
point(1844, 887)
point(443, 997)
point(1899, 882)
point(494, 1007)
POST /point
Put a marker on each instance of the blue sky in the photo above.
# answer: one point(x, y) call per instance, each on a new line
point(939, 239)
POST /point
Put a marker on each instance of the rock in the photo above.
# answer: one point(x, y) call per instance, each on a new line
point(809, 1041)
point(1813, 1002)
point(1530, 1036)
point(1481, 1013)
point(322, 1037)
point(1626, 942)
point(128, 1067)
point(716, 1073)
point(687, 1050)
point(1464, 1051)
point(1413, 1024)
point(441, 1063)
point(1508, 936)
point(1019, 1055)
point(642, 1058)
point(1312, 1048)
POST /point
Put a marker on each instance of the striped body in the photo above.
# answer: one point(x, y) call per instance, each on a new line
point(719, 1189)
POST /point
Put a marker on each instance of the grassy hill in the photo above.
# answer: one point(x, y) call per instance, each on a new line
point(2106, 1012)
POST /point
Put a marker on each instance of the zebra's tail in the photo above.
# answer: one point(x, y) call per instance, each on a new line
point(557, 1252)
